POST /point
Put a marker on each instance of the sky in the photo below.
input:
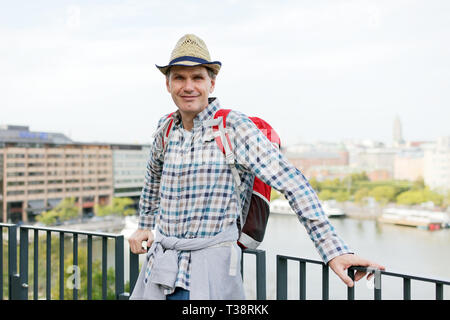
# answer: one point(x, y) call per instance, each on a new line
point(315, 70)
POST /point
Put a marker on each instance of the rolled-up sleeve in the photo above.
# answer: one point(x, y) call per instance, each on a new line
point(255, 153)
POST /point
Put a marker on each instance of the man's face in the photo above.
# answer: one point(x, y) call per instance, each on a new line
point(190, 88)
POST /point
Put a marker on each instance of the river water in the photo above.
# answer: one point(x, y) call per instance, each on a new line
point(400, 249)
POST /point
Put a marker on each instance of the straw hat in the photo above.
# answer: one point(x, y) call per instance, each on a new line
point(190, 51)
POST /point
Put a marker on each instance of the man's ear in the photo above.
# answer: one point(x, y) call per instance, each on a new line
point(168, 83)
point(213, 85)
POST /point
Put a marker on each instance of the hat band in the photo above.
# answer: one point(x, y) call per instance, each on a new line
point(193, 59)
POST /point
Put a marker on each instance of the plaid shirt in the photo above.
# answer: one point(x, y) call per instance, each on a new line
point(189, 191)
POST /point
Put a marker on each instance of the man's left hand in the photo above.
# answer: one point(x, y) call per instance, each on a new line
point(341, 263)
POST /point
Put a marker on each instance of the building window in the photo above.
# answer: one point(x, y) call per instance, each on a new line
point(15, 165)
point(35, 191)
point(36, 174)
point(15, 183)
point(16, 174)
point(15, 193)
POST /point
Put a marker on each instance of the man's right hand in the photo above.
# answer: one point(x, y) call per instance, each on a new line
point(136, 239)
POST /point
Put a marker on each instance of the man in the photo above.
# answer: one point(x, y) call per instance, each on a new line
point(189, 194)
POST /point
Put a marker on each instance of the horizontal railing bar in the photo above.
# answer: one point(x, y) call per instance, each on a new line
point(96, 234)
point(301, 259)
point(407, 276)
point(7, 224)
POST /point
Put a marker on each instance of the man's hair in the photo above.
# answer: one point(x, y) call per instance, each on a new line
point(210, 71)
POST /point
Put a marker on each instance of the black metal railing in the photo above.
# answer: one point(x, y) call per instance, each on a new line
point(18, 280)
point(282, 280)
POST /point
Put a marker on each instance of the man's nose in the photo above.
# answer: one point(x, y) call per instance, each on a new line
point(188, 85)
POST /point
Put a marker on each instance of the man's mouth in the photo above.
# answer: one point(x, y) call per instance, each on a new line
point(189, 98)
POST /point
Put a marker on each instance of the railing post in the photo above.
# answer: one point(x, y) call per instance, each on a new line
point(89, 267)
point(61, 265)
point(281, 278)
point(377, 290)
point(48, 285)
point(104, 267)
point(406, 289)
point(439, 291)
point(325, 282)
point(302, 277)
point(134, 270)
point(75, 264)
point(260, 275)
point(351, 290)
point(23, 277)
point(36, 265)
point(119, 267)
point(12, 263)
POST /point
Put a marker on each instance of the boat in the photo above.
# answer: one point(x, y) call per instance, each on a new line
point(281, 206)
point(424, 219)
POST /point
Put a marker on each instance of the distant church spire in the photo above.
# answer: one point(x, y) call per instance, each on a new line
point(397, 132)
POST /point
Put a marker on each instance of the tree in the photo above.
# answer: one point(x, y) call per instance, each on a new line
point(360, 195)
point(341, 196)
point(415, 196)
point(383, 194)
point(410, 197)
point(65, 210)
point(325, 195)
point(315, 184)
point(118, 206)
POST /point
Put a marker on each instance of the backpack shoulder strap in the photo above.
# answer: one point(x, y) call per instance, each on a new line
point(165, 128)
point(218, 124)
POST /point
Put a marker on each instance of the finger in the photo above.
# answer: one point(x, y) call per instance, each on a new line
point(359, 275)
point(367, 263)
point(345, 278)
point(136, 247)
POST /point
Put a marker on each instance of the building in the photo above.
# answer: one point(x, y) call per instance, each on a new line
point(378, 163)
point(409, 164)
point(321, 161)
point(437, 165)
point(129, 166)
point(397, 135)
point(39, 169)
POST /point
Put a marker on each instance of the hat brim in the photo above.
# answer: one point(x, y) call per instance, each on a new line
point(188, 62)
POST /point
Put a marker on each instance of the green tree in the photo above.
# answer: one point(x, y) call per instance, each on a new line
point(416, 196)
point(333, 184)
point(315, 184)
point(418, 184)
point(118, 206)
point(325, 195)
point(341, 196)
point(383, 194)
point(411, 197)
point(359, 195)
point(65, 210)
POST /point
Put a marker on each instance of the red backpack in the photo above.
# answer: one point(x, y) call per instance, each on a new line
point(256, 217)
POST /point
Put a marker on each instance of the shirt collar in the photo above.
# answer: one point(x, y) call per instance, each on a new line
point(208, 112)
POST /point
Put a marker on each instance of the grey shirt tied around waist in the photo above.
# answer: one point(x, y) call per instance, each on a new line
point(215, 266)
